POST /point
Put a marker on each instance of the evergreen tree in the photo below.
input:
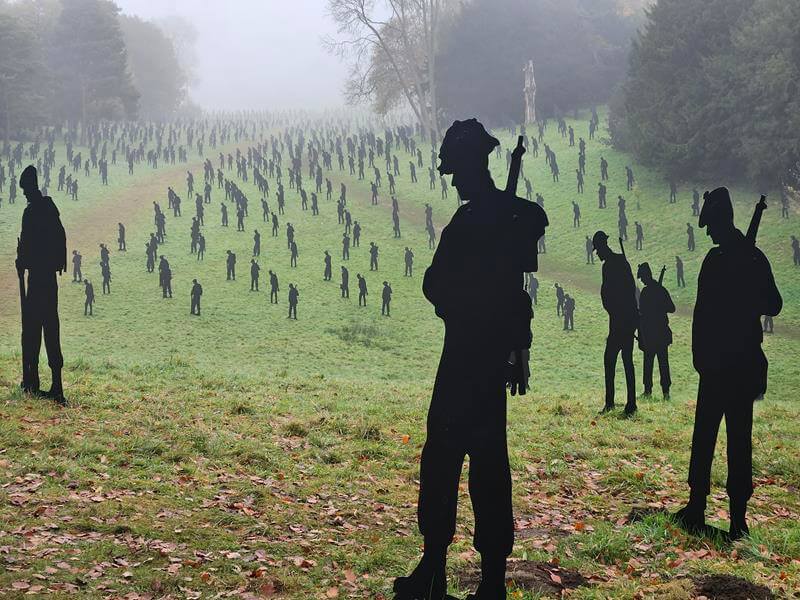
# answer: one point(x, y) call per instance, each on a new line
point(90, 65)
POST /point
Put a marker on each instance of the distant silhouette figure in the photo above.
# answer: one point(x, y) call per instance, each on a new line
point(89, 298)
point(121, 237)
point(655, 336)
point(727, 354)
point(386, 297)
point(230, 263)
point(345, 285)
point(362, 290)
point(690, 237)
point(41, 251)
point(491, 239)
point(569, 313)
point(273, 288)
point(679, 272)
point(294, 296)
point(560, 298)
point(254, 274)
point(618, 293)
point(408, 258)
point(589, 251)
point(373, 257)
point(326, 276)
point(795, 251)
point(77, 275)
point(196, 293)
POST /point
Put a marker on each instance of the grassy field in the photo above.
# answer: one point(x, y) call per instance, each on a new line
point(243, 453)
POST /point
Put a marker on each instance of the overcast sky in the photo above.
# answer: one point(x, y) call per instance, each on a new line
point(257, 54)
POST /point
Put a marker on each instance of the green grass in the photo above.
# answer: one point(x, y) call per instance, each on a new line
point(242, 440)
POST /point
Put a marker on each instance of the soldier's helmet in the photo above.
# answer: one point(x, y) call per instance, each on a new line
point(717, 207)
point(599, 239)
point(463, 143)
point(644, 271)
point(28, 180)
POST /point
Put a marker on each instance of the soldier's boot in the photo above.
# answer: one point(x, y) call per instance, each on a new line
point(665, 392)
point(56, 391)
point(493, 580)
point(30, 379)
point(739, 528)
point(692, 516)
point(427, 581)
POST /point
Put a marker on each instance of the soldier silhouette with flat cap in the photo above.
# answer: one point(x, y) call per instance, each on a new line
point(88, 291)
point(41, 251)
point(196, 293)
point(618, 293)
point(491, 238)
point(327, 273)
point(727, 354)
point(655, 336)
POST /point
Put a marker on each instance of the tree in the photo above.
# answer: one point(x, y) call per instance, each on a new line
point(22, 75)
point(155, 67)
point(579, 49)
point(393, 47)
point(90, 64)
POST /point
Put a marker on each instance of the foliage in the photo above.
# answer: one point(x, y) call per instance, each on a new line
point(155, 67)
point(89, 61)
point(578, 47)
point(711, 89)
point(23, 99)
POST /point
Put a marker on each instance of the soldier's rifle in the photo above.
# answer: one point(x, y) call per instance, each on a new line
point(755, 221)
point(661, 275)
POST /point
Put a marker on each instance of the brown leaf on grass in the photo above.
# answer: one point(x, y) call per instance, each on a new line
point(332, 592)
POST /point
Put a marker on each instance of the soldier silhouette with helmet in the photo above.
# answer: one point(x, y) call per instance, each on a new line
point(42, 252)
point(727, 354)
point(492, 238)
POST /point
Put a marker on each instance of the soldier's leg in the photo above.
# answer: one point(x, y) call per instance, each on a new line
point(647, 367)
point(630, 372)
point(739, 428)
point(707, 418)
point(31, 346)
point(610, 366)
point(663, 371)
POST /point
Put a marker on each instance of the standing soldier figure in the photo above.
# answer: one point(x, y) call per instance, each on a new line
point(679, 272)
point(326, 275)
point(387, 298)
point(293, 297)
point(655, 335)
point(795, 251)
point(197, 291)
point(492, 238)
point(618, 293)
point(690, 237)
point(273, 288)
point(77, 276)
point(589, 251)
point(345, 285)
point(408, 258)
point(88, 291)
point(254, 271)
point(230, 263)
point(121, 238)
point(105, 270)
point(42, 251)
point(362, 289)
point(569, 313)
point(727, 354)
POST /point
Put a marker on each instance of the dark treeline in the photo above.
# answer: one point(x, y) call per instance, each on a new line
point(82, 60)
point(579, 49)
point(712, 90)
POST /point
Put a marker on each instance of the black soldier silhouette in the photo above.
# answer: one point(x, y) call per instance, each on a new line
point(727, 354)
point(345, 285)
point(327, 272)
point(618, 293)
point(386, 297)
point(681, 281)
point(230, 263)
point(41, 251)
point(196, 293)
point(655, 336)
point(795, 251)
point(492, 238)
point(273, 288)
point(255, 269)
point(294, 296)
point(88, 303)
